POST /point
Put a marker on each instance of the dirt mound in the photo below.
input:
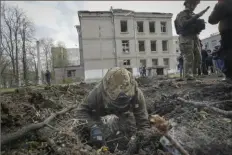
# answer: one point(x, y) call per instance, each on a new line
point(199, 129)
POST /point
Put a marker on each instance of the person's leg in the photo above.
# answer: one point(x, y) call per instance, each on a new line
point(181, 71)
point(197, 58)
point(205, 68)
point(187, 50)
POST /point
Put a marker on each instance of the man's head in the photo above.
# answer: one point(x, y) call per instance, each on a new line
point(191, 4)
point(119, 86)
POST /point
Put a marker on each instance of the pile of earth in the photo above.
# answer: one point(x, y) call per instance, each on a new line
point(199, 131)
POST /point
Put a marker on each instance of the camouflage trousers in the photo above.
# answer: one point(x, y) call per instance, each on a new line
point(190, 48)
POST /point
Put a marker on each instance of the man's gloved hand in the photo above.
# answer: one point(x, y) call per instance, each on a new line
point(96, 136)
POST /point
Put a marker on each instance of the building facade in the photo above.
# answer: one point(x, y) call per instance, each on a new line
point(73, 56)
point(125, 38)
point(66, 65)
point(210, 42)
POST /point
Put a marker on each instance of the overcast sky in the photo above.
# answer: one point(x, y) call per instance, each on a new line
point(56, 19)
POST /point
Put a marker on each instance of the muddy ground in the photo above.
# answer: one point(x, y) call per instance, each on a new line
point(198, 130)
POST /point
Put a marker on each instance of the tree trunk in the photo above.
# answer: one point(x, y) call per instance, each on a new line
point(17, 60)
point(46, 56)
point(24, 58)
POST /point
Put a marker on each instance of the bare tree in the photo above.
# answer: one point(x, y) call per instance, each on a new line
point(11, 17)
point(26, 32)
point(47, 44)
point(16, 31)
point(32, 61)
point(60, 44)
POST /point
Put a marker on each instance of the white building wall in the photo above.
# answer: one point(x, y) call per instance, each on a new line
point(98, 52)
point(212, 41)
point(73, 56)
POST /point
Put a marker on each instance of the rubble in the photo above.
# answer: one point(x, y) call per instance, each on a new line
point(188, 106)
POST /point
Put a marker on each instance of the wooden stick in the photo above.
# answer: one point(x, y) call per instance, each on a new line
point(35, 126)
point(177, 145)
point(208, 106)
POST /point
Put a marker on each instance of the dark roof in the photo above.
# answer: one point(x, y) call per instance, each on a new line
point(123, 11)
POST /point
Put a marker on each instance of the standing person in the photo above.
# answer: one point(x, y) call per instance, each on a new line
point(188, 27)
point(222, 14)
point(204, 56)
point(48, 77)
point(209, 62)
point(180, 65)
point(144, 71)
point(219, 63)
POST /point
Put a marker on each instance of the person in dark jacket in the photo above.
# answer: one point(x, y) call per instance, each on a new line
point(204, 56)
point(219, 63)
point(222, 14)
point(209, 62)
point(180, 65)
point(48, 77)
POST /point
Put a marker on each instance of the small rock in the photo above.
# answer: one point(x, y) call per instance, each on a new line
point(142, 152)
point(84, 151)
point(195, 110)
point(87, 147)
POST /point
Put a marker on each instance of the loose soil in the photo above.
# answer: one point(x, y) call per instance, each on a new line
point(198, 130)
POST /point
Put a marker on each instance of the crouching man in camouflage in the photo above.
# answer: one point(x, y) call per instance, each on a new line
point(188, 27)
point(117, 94)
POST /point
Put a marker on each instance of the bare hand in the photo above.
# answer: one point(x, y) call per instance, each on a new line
point(203, 11)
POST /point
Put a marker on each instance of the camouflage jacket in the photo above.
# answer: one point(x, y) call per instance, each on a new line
point(185, 23)
point(222, 14)
point(95, 105)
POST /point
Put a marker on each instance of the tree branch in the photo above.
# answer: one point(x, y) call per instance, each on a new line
point(208, 107)
point(20, 133)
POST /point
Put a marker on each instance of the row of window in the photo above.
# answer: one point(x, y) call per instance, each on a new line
point(140, 26)
point(142, 47)
point(143, 62)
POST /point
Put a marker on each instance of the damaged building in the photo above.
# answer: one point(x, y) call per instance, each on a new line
point(125, 38)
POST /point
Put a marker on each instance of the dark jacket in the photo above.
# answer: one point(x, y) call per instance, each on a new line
point(181, 60)
point(204, 55)
point(222, 14)
point(48, 75)
point(95, 105)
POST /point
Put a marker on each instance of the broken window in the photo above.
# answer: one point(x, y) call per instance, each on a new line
point(163, 26)
point(71, 73)
point(125, 46)
point(140, 26)
point(152, 27)
point(126, 62)
point(165, 45)
point(123, 26)
point(143, 62)
point(141, 46)
point(153, 45)
point(154, 62)
point(166, 62)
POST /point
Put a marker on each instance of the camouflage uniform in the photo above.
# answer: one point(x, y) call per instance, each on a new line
point(189, 45)
point(100, 101)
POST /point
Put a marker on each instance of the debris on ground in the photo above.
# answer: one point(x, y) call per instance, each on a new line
point(196, 115)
